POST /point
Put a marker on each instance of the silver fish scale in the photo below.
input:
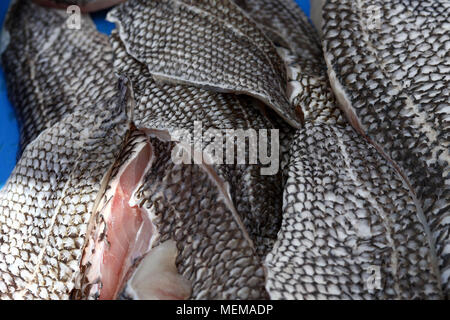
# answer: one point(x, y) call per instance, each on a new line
point(174, 107)
point(214, 251)
point(392, 61)
point(302, 54)
point(202, 50)
point(285, 19)
point(229, 13)
point(41, 93)
point(345, 210)
point(47, 203)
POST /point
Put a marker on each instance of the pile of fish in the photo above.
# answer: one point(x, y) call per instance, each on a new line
point(358, 207)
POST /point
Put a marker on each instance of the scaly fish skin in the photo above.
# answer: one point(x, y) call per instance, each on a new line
point(169, 107)
point(166, 108)
point(40, 95)
point(226, 58)
point(215, 253)
point(344, 206)
point(47, 203)
point(72, 141)
point(96, 207)
point(389, 65)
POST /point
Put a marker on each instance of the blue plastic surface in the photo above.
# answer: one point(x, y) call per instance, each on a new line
point(9, 133)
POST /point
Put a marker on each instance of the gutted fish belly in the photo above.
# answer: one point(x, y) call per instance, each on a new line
point(176, 108)
point(84, 5)
point(346, 211)
point(389, 66)
point(181, 216)
point(157, 277)
point(207, 48)
point(49, 73)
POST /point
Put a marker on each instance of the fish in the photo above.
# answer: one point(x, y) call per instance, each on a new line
point(175, 108)
point(85, 6)
point(351, 229)
point(47, 203)
point(201, 237)
point(42, 97)
point(126, 217)
point(247, 202)
point(389, 66)
point(218, 32)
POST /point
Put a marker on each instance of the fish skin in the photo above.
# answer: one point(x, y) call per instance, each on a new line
point(255, 198)
point(192, 24)
point(392, 78)
point(302, 55)
point(341, 196)
point(41, 97)
point(346, 210)
point(298, 34)
point(47, 202)
point(215, 253)
point(169, 107)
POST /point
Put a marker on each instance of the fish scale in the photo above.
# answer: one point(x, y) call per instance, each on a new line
point(244, 66)
point(171, 107)
point(301, 52)
point(298, 34)
point(215, 254)
point(42, 97)
point(46, 204)
point(345, 209)
point(389, 65)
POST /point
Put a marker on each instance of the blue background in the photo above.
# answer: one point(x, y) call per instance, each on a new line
point(9, 133)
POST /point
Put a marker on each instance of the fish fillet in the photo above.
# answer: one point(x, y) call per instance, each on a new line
point(207, 47)
point(171, 108)
point(187, 205)
point(389, 66)
point(74, 139)
point(50, 72)
point(47, 202)
point(346, 211)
